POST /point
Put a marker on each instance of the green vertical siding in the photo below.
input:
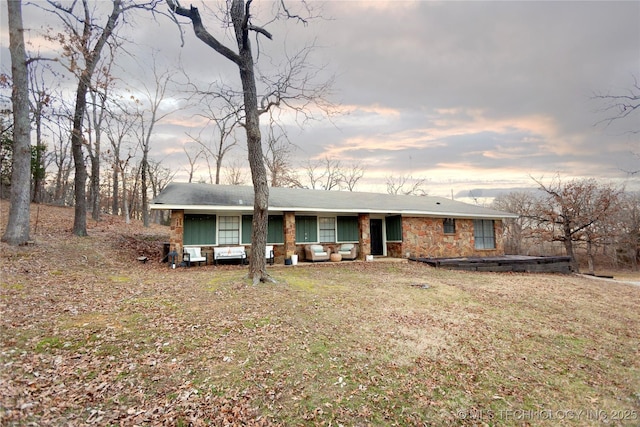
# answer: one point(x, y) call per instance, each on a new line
point(199, 229)
point(275, 229)
point(247, 228)
point(394, 228)
point(306, 229)
point(348, 229)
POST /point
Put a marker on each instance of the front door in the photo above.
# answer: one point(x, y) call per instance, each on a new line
point(376, 237)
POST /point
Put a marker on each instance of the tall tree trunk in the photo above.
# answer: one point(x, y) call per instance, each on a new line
point(244, 60)
point(95, 179)
point(114, 201)
point(38, 161)
point(143, 186)
point(257, 262)
point(590, 256)
point(125, 197)
point(568, 246)
point(17, 231)
point(80, 191)
point(80, 178)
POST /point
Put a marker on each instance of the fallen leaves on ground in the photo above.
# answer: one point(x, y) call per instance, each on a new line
point(92, 336)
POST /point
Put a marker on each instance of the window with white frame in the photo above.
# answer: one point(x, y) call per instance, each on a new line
point(327, 229)
point(229, 230)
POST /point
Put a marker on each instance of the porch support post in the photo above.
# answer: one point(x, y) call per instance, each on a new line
point(364, 239)
point(176, 233)
point(289, 234)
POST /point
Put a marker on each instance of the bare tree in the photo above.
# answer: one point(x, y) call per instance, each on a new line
point(17, 231)
point(148, 119)
point(326, 174)
point(278, 162)
point(120, 122)
point(406, 185)
point(621, 105)
point(193, 159)
point(40, 101)
point(83, 44)
point(159, 177)
point(628, 223)
point(123, 167)
point(62, 160)
point(351, 175)
point(517, 230)
point(235, 174)
point(225, 118)
point(573, 209)
point(240, 18)
point(99, 94)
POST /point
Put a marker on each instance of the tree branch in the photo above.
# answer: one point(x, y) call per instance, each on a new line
point(201, 32)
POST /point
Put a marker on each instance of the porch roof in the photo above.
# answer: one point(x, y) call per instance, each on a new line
point(207, 197)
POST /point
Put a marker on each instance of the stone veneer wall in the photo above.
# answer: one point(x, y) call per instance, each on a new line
point(289, 247)
point(424, 237)
point(394, 250)
point(176, 233)
point(364, 243)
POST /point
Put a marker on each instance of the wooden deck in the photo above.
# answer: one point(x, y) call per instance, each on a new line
point(515, 263)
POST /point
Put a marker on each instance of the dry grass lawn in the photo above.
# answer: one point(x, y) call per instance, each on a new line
point(90, 336)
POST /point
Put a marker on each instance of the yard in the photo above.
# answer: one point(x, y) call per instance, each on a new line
point(89, 335)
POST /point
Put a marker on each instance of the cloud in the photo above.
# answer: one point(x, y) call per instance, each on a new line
point(462, 93)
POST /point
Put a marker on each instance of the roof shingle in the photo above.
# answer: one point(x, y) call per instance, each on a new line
point(229, 197)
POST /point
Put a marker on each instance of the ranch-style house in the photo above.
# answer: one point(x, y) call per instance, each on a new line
point(214, 216)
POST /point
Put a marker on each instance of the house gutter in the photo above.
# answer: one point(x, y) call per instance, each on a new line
point(413, 213)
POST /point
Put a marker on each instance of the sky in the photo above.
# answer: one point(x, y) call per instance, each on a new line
point(475, 98)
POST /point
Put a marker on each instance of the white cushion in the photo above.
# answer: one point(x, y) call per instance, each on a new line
point(193, 252)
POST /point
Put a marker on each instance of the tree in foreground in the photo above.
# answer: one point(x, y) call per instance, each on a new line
point(17, 231)
point(240, 18)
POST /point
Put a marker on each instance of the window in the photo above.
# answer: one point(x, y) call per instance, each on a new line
point(199, 229)
point(327, 229)
point(483, 234)
point(449, 225)
point(347, 229)
point(229, 230)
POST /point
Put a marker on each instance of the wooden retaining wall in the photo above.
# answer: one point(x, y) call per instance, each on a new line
point(515, 263)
